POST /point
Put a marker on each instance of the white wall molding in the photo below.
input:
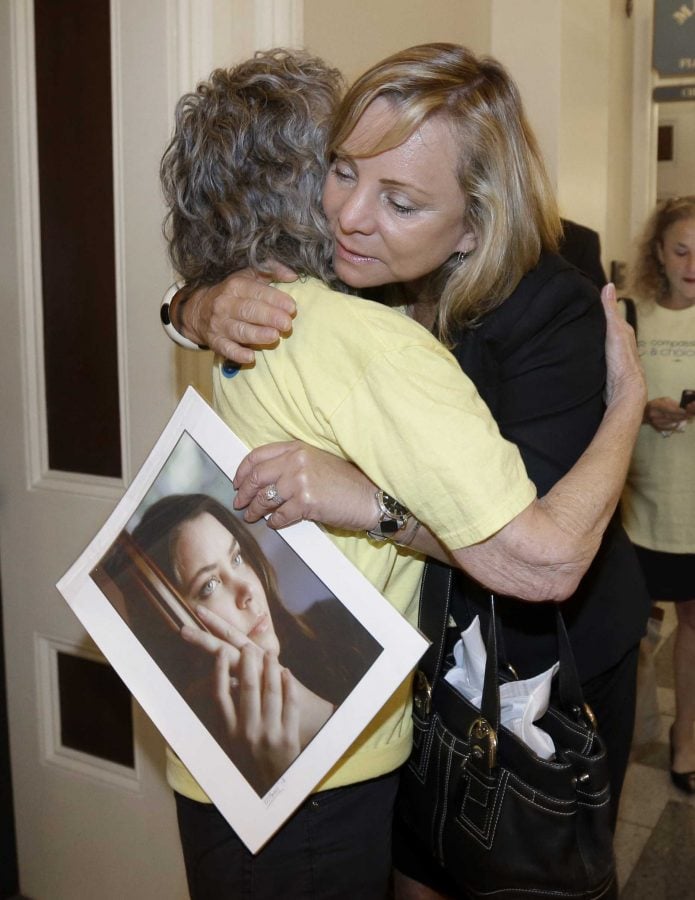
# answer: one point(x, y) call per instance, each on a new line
point(644, 119)
point(26, 189)
point(119, 225)
point(278, 23)
point(190, 39)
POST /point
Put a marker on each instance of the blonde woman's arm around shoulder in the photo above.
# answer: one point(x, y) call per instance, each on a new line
point(540, 554)
point(544, 552)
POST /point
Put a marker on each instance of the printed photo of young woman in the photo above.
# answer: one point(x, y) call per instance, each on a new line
point(258, 646)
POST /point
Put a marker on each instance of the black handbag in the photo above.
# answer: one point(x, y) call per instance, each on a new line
point(504, 823)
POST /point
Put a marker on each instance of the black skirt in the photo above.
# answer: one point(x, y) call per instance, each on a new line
point(669, 576)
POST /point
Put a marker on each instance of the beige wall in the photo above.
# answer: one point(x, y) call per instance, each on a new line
point(596, 127)
point(233, 35)
point(525, 38)
point(573, 64)
point(584, 111)
point(617, 234)
point(354, 35)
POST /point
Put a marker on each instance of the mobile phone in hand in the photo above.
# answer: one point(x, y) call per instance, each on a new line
point(688, 396)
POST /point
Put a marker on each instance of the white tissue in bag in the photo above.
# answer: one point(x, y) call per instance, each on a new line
point(521, 702)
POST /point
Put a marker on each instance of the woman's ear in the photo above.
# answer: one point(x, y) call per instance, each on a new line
point(467, 244)
point(660, 252)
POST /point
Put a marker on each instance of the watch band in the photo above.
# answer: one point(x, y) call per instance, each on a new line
point(406, 540)
point(165, 318)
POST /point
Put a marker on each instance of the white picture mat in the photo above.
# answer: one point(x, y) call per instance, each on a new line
point(254, 818)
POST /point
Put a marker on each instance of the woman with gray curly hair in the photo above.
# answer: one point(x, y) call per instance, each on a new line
point(374, 389)
point(240, 158)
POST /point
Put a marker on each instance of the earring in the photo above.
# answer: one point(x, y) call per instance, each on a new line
point(462, 256)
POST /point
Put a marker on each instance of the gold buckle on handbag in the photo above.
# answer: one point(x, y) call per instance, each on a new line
point(591, 718)
point(587, 713)
point(422, 694)
point(483, 741)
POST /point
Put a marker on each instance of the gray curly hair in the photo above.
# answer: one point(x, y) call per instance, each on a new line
point(245, 168)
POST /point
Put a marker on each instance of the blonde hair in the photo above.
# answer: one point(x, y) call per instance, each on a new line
point(511, 207)
point(648, 277)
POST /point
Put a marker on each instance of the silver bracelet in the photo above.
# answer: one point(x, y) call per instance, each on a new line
point(407, 540)
point(165, 318)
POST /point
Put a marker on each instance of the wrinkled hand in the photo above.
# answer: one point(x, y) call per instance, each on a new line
point(665, 415)
point(256, 700)
point(624, 374)
point(241, 312)
point(312, 484)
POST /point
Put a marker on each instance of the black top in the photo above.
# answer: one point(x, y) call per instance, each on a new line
point(538, 362)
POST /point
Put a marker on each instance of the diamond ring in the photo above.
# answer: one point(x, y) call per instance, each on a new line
point(272, 495)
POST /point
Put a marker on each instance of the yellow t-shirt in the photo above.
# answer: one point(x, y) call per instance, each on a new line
point(658, 504)
point(370, 385)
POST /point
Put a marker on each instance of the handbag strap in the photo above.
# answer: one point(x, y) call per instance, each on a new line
point(570, 693)
point(630, 312)
point(490, 701)
point(433, 617)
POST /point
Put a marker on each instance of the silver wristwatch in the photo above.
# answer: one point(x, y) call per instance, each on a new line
point(392, 517)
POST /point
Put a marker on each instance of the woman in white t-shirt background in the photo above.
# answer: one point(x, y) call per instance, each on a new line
point(659, 500)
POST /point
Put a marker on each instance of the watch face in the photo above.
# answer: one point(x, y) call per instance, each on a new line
point(393, 507)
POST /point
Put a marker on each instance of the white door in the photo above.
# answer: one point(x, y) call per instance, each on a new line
point(86, 827)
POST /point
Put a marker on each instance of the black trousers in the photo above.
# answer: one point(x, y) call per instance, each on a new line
point(337, 846)
point(612, 695)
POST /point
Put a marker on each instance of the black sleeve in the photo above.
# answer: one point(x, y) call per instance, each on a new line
point(581, 246)
point(538, 362)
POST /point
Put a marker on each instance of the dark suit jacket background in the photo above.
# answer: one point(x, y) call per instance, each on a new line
point(581, 246)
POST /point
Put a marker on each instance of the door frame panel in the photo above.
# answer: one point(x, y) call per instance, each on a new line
point(78, 829)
